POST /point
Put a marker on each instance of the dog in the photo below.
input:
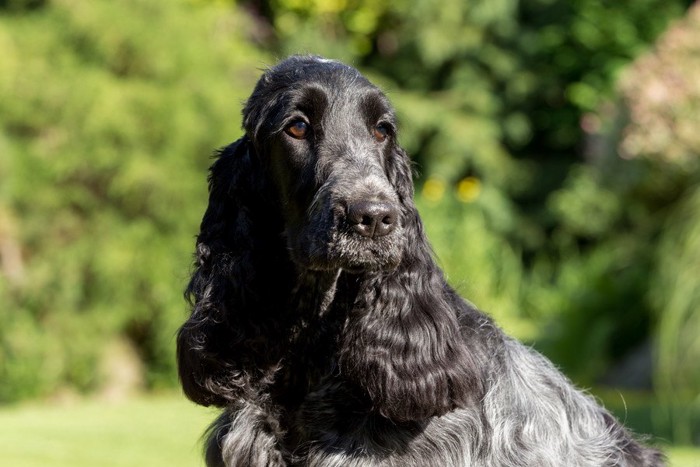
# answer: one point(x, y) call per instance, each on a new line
point(323, 327)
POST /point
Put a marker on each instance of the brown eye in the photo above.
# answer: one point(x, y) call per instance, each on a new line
point(380, 132)
point(298, 129)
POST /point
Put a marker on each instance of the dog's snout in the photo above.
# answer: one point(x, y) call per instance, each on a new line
point(372, 218)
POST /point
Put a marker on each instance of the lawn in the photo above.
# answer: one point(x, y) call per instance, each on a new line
point(152, 432)
point(147, 431)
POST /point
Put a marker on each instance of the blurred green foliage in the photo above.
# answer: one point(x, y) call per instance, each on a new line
point(661, 93)
point(106, 124)
point(559, 193)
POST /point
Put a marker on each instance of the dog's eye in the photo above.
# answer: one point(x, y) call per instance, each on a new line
point(380, 132)
point(297, 129)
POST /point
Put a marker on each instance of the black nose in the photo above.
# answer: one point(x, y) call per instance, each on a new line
point(372, 218)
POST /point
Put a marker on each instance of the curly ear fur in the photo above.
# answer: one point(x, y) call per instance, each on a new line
point(400, 175)
point(231, 343)
point(402, 344)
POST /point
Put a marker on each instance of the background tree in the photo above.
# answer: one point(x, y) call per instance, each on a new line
point(106, 124)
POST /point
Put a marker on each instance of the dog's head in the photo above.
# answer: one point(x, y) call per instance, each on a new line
point(319, 184)
point(326, 139)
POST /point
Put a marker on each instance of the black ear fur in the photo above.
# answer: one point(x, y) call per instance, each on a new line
point(402, 344)
point(231, 343)
point(400, 175)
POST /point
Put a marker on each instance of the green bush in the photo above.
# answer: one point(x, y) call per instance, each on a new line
point(109, 111)
point(662, 97)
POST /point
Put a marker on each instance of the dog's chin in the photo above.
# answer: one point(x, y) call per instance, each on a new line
point(350, 254)
point(355, 264)
point(371, 265)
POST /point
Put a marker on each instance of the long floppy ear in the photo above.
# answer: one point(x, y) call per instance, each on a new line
point(230, 345)
point(400, 175)
point(402, 344)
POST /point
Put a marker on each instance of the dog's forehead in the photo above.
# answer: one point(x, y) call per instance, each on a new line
point(305, 65)
point(298, 72)
point(324, 60)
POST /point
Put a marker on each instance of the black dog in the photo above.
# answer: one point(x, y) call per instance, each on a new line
point(325, 330)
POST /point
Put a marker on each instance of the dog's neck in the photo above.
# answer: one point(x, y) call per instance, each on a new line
point(313, 293)
point(313, 322)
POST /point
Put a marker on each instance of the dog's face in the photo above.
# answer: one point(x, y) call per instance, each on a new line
point(329, 139)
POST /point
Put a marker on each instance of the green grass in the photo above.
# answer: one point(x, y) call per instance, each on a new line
point(684, 457)
point(152, 431)
point(147, 431)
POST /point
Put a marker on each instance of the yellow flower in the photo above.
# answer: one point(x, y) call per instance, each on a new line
point(433, 189)
point(468, 189)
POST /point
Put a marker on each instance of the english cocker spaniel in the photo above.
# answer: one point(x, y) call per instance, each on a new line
point(323, 327)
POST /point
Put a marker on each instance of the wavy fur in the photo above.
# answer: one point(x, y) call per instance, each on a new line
point(322, 325)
